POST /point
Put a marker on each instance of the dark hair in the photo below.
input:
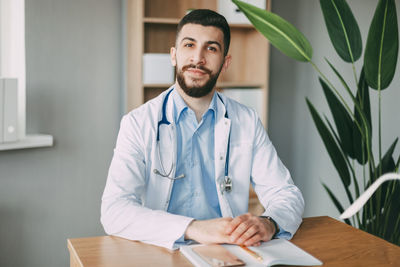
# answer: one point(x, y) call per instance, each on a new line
point(207, 17)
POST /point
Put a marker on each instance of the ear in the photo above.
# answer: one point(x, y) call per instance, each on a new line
point(227, 62)
point(172, 53)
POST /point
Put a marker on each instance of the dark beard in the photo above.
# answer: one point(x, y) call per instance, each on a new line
point(197, 91)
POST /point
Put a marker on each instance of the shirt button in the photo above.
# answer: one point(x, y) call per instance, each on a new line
point(221, 158)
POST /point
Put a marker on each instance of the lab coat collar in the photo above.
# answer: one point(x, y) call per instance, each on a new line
point(170, 106)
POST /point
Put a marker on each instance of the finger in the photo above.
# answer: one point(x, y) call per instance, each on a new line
point(251, 231)
point(235, 223)
point(256, 244)
point(255, 240)
point(239, 231)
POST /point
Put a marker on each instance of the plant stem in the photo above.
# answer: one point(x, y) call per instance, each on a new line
point(396, 226)
point(386, 207)
point(396, 237)
point(354, 72)
point(356, 187)
point(388, 200)
point(380, 131)
point(379, 193)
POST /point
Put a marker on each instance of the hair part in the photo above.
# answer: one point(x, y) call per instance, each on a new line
point(206, 17)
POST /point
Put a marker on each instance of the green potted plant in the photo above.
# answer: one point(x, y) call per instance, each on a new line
point(348, 139)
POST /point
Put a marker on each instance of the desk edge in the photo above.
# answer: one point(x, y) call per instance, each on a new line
point(73, 252)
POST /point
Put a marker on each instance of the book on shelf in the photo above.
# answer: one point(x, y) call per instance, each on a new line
point(276, 251)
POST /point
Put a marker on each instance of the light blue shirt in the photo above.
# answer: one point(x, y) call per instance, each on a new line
point(195, 195)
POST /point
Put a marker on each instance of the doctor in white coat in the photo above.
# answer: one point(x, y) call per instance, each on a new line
point(146, 194)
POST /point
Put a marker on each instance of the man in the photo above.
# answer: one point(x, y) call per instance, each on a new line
point(184, 161)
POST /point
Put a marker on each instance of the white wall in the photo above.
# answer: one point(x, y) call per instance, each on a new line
point(73, 56)
point(290, 125)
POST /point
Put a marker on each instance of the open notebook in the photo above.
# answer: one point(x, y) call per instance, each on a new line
point(277, 251)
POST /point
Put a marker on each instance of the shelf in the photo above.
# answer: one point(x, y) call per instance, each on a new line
point(157, 85)
point(241, 26)
point(239, 85)
point(30, 141)
point(219, 85)
point(161, 20)
point(173, 21)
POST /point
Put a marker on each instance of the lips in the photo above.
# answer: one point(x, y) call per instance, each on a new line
point(196, 70)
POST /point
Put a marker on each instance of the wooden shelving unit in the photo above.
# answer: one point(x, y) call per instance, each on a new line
point(151, 28)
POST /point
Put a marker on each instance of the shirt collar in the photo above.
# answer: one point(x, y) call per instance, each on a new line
point(180, 105)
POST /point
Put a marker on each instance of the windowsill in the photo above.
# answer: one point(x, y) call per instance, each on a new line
point(30, 141)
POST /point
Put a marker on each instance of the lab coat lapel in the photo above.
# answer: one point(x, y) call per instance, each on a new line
point(168, 149)
point(172, 143)
point(221, 142)
point(168, 156)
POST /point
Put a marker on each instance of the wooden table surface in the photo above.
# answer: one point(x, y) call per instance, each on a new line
point(331, 241)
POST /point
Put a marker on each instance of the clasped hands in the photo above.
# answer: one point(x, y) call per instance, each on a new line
point(246, 229)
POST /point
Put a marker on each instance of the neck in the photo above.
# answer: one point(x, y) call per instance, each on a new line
point(198, 104)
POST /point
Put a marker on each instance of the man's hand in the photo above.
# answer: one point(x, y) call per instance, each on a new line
point(249, 230)
point(209, 231)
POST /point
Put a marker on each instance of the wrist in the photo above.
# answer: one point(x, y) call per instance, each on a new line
point(190, 230)
point(275, 225)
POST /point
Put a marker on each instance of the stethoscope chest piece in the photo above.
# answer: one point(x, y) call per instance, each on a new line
point(226, 185)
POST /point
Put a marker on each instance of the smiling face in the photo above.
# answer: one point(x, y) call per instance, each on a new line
point(198, 58)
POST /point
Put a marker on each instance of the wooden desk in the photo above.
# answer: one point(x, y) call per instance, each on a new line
point(331, 241)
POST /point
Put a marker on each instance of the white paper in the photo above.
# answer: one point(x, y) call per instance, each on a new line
point(277, 251)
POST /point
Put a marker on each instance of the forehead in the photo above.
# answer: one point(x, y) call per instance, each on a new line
point(201, 33)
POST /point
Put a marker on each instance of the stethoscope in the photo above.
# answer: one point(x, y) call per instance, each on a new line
point(225, 185)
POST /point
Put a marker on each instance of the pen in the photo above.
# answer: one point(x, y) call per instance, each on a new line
point(252, 253)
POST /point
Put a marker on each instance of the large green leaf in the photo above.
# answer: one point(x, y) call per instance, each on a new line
point(393, 210)
point(356, 188)
point(387, 163)
point(336, 202)
point(359, 144)
point(333, 149)
point(342, 28)
point(278, 31)
point(343, 121)
point(382, 47)
point(381, 196)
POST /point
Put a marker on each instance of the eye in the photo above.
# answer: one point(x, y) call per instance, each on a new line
point(212, 48)
point(188, 44)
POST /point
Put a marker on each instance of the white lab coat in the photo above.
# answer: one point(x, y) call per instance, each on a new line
point(135, 199)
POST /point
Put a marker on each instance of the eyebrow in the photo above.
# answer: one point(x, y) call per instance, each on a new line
point(208, 42)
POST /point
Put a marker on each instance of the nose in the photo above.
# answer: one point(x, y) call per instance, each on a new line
point(198, 57)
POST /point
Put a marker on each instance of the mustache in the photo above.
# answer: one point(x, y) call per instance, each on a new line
point(193, 66)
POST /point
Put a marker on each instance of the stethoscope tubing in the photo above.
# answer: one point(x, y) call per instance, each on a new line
point(227, 183)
